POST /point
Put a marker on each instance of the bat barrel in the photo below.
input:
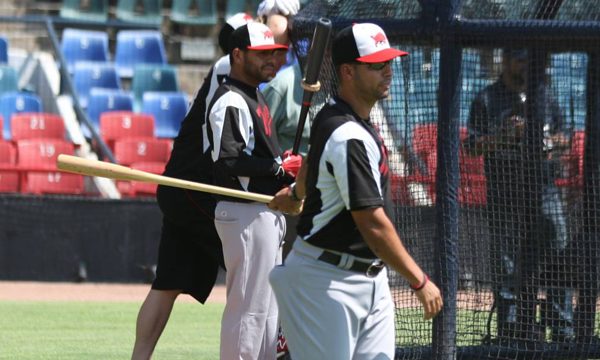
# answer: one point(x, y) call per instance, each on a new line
point(317, 51)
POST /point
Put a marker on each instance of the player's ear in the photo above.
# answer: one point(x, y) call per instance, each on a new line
point(236, 55)
point(347, 71)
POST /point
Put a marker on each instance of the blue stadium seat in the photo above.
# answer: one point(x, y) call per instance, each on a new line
point(195, 12)
point(8, 79)
point(73, 9)
point(168, 108)
point(152, 78)
point(102, 100)
point(84, 45)
point(138, 47)
point(150, 14)
point(88, 75)
point(17, 102)
point(3, 50)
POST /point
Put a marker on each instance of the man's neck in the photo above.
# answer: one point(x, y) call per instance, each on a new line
point(240, 76)
point(361, 106)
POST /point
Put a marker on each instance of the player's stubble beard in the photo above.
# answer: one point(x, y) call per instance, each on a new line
point(375, 92)
point(260, 72)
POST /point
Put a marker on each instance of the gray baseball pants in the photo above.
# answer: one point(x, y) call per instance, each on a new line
point(329, 313)
point(252, 236)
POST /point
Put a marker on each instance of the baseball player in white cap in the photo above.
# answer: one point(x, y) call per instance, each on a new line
point(332, 291)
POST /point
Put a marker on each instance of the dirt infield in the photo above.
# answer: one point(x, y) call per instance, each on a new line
point(49, 291)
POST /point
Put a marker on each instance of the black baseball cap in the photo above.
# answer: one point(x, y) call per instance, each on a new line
point(253, 36)
point(365, 43)
point(231, 24)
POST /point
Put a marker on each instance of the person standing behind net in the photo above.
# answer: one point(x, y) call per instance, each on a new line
point(332, 291)
point(521, 234)
point(190, 251)
point(247, 157)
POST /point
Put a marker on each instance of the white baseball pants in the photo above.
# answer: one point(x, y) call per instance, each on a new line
point(252, 236)
point(328, 313)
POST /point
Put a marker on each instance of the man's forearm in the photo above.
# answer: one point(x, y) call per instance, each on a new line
point(246, 165)
point(380, 235)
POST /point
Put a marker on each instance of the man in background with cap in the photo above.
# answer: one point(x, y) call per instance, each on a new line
point(521, 234)
point(190, 251)
point(247, 157)
point(332, 291)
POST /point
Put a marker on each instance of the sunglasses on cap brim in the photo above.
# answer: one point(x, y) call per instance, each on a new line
point(375, 66)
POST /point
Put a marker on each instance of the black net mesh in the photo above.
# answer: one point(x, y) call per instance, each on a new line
point(529, 9)
point(526, 245)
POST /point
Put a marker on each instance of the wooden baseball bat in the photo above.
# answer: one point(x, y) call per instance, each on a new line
point(83, 166)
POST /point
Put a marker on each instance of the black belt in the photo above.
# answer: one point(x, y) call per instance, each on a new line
point(370, 269)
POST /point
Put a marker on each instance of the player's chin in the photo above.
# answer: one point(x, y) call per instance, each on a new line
point(269, 71)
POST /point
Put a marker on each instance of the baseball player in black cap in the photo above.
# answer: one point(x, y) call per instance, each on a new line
point(332, 291)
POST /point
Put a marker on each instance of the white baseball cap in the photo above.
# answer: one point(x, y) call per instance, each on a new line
point(253, 36)
point(365, 43)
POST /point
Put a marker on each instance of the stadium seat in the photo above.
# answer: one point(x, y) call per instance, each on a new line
point(149, 14)
point(37, 126)
point(9, 176)
point(88, 75)
point(129, 151)
point(473, 183)
point(3, 50)
point(168, 109)
point(152, 78)
point(37, 160)
point(14, 103)
point(116, 125)
point(84, 45)
point(41, 154)
point(138, 188)
point(103, 100)
point(8, 79)
point(97, 10)
point(196, 12)
point(138, 47)
point(55, 182)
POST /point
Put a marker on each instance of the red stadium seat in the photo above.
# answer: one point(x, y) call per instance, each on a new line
point(37, 158)
point(9, 176)
point(138, 188)
point(473, 184)
point(37, 126)
point(42, 182)
point(41, 154)
point(129, 151)
point(143, 188)
point(115, 125)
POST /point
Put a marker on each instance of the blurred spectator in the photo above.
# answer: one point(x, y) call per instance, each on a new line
point(527, 220)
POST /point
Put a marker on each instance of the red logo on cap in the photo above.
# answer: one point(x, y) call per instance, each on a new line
point(248, 18)
point(268, 34)
point(379, 39)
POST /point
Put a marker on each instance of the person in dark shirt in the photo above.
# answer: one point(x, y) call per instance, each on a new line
point(190, 251)
point(332, 291)
point(496, 130)
point(247, 157)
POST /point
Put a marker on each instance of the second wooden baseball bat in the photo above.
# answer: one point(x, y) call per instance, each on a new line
point(83, 166)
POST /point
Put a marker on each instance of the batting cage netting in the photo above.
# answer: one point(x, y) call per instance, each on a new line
point(496, 189)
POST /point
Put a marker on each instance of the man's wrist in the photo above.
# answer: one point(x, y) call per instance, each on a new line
point(293, 193)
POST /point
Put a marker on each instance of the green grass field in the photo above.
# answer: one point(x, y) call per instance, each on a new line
point(102, 331)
